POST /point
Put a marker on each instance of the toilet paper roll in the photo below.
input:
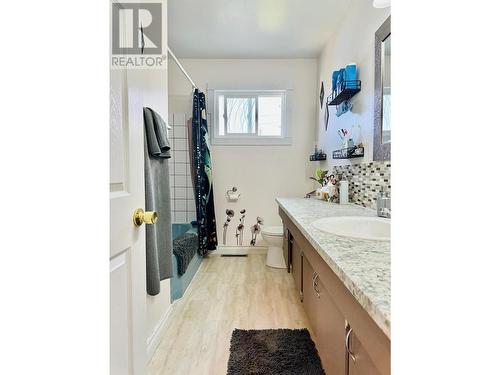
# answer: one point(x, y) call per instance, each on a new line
point(233, 196)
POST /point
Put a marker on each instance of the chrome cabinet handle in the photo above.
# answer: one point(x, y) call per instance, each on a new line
point(347, 345)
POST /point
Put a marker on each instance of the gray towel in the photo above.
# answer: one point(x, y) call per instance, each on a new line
point(157, 184)
point(156, 134)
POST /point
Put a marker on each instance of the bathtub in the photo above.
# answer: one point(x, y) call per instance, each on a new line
point(179, 284)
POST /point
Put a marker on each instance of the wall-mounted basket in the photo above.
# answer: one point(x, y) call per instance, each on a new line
point(345, 92)
point(349, 153)
point(317, 157)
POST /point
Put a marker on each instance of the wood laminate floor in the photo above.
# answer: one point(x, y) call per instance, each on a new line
point(226, 293)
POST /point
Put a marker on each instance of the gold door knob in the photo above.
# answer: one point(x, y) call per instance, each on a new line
point(140, 217)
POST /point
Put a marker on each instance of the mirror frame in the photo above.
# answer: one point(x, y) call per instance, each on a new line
point(381, 151)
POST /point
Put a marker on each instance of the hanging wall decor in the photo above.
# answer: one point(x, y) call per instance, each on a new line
point(321, 94)
point(327, 116)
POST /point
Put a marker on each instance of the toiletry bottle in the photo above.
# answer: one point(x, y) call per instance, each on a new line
point(383, 201)
point(344, 191)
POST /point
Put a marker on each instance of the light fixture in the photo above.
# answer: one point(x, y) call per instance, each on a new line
point(381, 3)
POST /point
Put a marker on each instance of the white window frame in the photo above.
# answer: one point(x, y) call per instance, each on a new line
point(246, 138)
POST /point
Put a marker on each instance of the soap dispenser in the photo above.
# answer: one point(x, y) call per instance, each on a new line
point(343, 190)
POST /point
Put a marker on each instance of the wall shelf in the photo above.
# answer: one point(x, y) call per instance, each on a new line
point(348, 153)
point(318, 157)
point(346, 92)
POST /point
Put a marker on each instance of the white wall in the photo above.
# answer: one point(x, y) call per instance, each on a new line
point(354, 41)
point(261, 173)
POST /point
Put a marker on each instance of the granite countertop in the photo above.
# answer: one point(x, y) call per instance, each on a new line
point(363, 266)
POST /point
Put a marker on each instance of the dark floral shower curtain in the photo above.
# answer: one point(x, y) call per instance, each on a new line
point(204, 196)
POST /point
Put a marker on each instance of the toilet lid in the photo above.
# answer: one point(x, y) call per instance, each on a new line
point(273, 231)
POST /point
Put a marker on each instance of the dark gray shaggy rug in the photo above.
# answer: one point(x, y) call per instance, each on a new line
point(273, 352)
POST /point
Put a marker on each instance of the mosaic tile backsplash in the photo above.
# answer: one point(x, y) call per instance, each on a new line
point(366, 180)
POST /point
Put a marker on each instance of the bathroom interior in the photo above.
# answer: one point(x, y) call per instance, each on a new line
point(206, 187)
point(267, 191)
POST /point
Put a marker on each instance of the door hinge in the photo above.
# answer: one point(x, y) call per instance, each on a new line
point(301, 296)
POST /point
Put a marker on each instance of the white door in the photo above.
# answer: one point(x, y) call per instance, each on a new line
point(127, 242)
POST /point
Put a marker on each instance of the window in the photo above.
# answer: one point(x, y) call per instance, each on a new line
point(249, 117)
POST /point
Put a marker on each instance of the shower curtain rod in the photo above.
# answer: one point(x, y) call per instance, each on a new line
point(181, 68)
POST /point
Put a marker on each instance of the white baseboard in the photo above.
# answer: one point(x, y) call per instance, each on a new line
point(238, 250)
point(153, 341)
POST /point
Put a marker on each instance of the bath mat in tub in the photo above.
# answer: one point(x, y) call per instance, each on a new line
point(273, 352)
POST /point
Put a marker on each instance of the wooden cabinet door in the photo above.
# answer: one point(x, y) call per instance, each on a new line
point(296, 263)
point(330, 330)
point(363, 364)
point(326, 320)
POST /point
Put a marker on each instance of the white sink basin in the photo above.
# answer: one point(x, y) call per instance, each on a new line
point(365, 228)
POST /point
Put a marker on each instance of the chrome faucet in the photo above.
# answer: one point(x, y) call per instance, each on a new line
point(383, 205)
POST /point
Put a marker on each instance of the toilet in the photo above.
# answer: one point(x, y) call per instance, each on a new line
point(273, 237)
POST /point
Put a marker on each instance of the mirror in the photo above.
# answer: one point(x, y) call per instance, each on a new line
point(382, 112)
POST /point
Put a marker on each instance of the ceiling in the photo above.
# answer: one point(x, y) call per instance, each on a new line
point(251, 28)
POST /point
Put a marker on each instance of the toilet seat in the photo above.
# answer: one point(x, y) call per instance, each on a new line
point(276, 231)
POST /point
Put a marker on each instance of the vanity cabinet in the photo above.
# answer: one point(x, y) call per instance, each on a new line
point(348, 340)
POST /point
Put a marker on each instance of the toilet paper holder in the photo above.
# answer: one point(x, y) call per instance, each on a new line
point(232, 194)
